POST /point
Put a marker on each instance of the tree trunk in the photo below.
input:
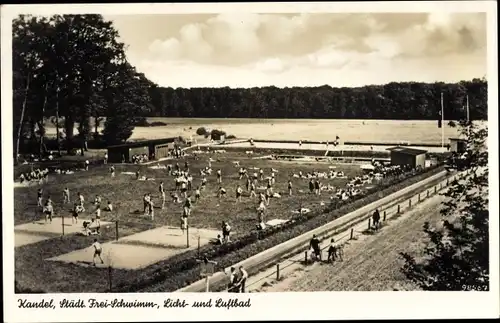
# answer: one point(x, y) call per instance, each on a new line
point(96, 125)
point(69, 126)
point(58, 137)
point(21, 121)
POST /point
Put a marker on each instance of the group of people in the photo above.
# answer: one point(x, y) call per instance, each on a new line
point(34, 176)
point(237, 280)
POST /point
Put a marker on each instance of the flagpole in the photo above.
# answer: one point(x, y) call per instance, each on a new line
point(468, 118)
point(442, 121)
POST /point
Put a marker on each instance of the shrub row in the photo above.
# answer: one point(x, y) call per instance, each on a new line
point(181, 270)
point(146, 123)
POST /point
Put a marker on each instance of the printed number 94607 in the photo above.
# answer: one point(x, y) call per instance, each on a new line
point(481, 288)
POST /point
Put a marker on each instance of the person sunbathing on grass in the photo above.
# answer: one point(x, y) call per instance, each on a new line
point(175, 198)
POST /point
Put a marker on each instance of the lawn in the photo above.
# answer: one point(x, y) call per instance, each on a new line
point(126, 194)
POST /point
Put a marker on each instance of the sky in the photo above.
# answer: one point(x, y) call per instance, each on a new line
point(304, 49)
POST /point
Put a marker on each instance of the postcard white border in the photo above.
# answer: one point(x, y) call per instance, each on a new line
point(269, 306)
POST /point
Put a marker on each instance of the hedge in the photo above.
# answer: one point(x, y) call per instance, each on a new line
point(182, 270)
point(201, 131)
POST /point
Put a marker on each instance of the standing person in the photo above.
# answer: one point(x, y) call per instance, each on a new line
point(151, 209)
point(261, 174)
point(311, 186)
point(161, 189)
point(219, 176)
point(197, 194)
point(145, 201)
point(221, 192)
point(97, 251)
point(105, 158)
point(187, 206)
point(332, 251)
point(39, 197)
point(74, 214)
point(87, 164)
point(252, 190)
point(184, 189)
point(239, 191)
point(186, 166)
point(184, 223)
point(243, 279)
point(290, 188)
point(232, 286)
point(109, 207)
point(189, 182)
point(81, 200)
point(66, 195)
point(48, 209)
point(376, 219)
point(248, 182)
point(97, 200)
point(112, 171)
point(314, 245)
point(226, 231)
point(300, 143)
point(98, 215)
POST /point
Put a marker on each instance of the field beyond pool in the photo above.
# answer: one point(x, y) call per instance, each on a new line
point(154, 240)
point(349, 130)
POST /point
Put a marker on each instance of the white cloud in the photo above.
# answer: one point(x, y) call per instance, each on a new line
point(316, 49)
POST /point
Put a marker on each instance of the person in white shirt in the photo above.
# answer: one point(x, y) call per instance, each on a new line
point(66, 195)
point(105, 158)
point(98, 215)
point(87, 165)
point(109, 208)
point(219, 176)
point(97, 251)
point(239, 191)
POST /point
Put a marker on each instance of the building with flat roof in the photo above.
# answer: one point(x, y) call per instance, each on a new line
point(154, 149)
point(458, 145)
point(407, 156)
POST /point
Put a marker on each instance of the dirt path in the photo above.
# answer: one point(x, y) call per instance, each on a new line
point(372, 262)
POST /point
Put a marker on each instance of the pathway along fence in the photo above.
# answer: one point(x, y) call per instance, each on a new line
point(392, 210)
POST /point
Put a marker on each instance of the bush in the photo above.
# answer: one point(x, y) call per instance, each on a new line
point(181, 270)
point(217, 134)
point(157, 124)
point(145, 123)
point(230, 137)
point(201, 131)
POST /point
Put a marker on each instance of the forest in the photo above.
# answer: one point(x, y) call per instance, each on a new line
point(72, 70)
point(408, 100)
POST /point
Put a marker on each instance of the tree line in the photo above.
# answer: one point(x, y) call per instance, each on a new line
point(71, 70)
point(404, 100)
point(67, 71)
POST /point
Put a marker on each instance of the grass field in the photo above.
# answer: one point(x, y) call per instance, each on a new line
point(32, 271)
point(415, 131)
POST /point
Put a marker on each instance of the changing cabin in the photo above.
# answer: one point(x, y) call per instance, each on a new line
point(407, 156)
